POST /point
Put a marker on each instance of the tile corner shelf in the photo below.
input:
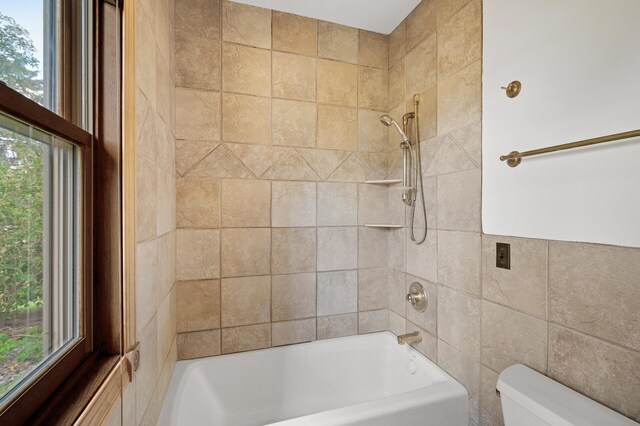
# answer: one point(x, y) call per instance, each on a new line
point(382, 225)
point(383, 181)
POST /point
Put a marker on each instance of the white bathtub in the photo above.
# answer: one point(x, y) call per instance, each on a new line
point(359, 380)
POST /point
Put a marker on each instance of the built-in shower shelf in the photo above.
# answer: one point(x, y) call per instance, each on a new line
point(383, 182)
point(383, 225)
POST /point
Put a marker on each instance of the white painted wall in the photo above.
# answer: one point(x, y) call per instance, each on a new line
point(579, 64)
point(380, 16)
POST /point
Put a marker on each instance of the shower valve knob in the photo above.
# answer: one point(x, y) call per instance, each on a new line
point(417, 297)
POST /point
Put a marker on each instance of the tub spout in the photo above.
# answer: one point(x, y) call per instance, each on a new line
point(414, 337)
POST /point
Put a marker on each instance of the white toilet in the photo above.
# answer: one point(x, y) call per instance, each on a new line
point(531, 399)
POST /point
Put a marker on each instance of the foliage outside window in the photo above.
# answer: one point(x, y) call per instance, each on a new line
point(21, 218)
point(19, 66)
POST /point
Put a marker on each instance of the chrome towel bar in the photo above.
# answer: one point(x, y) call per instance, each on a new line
point(514, 158)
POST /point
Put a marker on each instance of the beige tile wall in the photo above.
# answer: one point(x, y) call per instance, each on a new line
point(568, 310)
point(156, 212)
point(277, 127)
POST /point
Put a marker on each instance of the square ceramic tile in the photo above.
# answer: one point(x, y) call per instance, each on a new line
point(509, 337)
point(246, 119)
point(429, 344)
point(373, 86)
point(246, 24)
point(373, 321)
point(524, 286)
point(372, 289)
point(337, 83)
point(198, 115)
point(397, 85)
point(337, 42)
point(428, 319)
point(166, 213)
point(372, 135)
point(245, 203)
point(245, 251)
point(337, 248)
point(197, 40)
point(420, 23)
point(459, 321)
point(337, 204)
point(293, 296)
point(397, 292)
point(333, 326)
point(246, 70)
point(613, 375)
point(197, 305)
point(594, 289)
point(460, 98)
point(466, 371)
point(147, 199)
point(459, 263)
point(421, 67)
point(198, 254)
point(373, 50)
point(397, 49)
point(146, 281)
point(294, 34)
point(294, 77)
point(293, 204)
point(337, 292)
point(459, 201)
point(245, 301)
point(198, 344)
point(293, 250)
point(460, 39)
point(372, 247)
point(373, 204)
point(294, 123)
point(290, 332)
point(422, 259)
point(198, 203)
point(337, 128)
point(246, 338)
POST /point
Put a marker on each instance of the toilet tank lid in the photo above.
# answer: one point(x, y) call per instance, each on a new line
point(553, 402)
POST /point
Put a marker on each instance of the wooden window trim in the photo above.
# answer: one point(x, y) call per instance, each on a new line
point(82, 385)
point(23, 108)
point(129, 208)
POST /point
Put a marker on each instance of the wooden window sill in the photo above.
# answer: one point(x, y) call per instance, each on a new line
point(88, 395)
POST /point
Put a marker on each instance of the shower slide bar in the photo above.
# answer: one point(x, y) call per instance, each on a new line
point(514, 158)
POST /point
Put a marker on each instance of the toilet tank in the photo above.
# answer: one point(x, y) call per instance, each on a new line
point(532, 399)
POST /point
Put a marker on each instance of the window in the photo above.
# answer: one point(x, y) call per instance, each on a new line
point(45, 54)
point(39, 219)
point(46, 170)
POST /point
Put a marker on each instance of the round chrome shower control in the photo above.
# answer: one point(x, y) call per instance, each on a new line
point(417, 297)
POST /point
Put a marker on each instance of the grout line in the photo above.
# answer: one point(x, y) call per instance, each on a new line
point(547, 307)
point(600, 339)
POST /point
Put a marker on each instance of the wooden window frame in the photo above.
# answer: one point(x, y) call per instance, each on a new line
point(82, 384)
point(34, 395)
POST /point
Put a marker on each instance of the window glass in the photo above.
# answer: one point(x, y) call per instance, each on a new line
point(38, 252)
point(45, 54)
point(22, 47)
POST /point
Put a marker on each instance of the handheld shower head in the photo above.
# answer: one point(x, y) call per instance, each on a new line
point(388, 121)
